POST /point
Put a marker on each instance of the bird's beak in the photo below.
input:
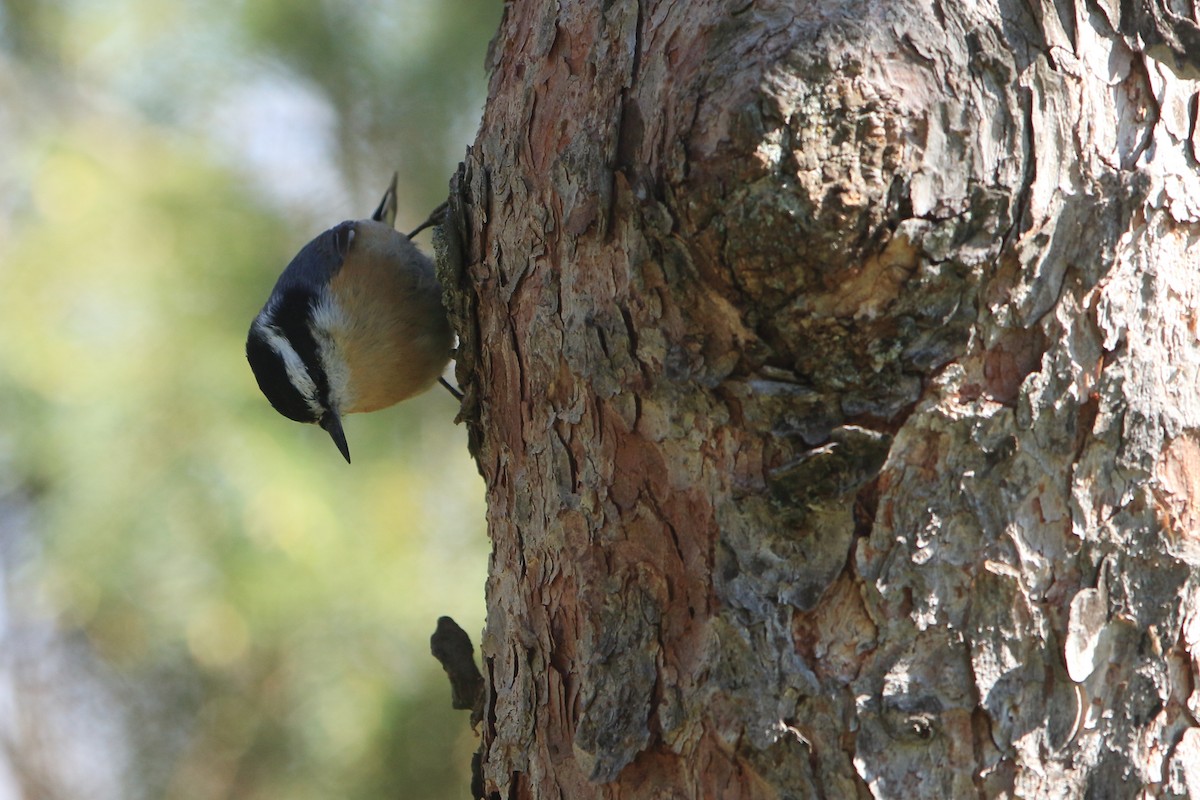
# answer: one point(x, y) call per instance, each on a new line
point(333, 425)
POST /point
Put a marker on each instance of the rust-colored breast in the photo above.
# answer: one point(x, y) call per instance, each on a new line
point(392, 330)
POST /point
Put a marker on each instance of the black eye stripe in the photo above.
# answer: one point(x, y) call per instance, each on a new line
point(291, 319)
point(272, 377)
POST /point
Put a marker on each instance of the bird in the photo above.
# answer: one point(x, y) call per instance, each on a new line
point(355, 323)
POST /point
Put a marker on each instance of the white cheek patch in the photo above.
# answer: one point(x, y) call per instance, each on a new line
point(297, 373)
point(329, 325)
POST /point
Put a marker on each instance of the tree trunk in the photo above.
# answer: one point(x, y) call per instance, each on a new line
point(833, 372)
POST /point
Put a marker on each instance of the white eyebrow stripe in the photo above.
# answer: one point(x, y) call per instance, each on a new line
point(296, 371)
point(329, 324)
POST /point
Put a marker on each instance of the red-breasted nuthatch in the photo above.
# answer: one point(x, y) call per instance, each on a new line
point(355, 323)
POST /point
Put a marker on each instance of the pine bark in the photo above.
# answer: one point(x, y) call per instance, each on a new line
point(833, 369)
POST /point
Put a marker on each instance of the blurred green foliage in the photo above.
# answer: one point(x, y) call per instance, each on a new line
point(248, 616)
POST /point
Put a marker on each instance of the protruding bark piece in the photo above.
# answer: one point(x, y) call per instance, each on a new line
point(452, 647)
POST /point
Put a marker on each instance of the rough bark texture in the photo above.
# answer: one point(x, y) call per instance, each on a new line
point(833, 372)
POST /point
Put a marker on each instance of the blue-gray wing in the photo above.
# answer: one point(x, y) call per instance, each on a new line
point(319, 260)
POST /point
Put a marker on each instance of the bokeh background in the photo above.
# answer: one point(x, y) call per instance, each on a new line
point(199, 598)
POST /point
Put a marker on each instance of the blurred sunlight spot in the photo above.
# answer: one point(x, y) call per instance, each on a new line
point(295, 522)
point(217, 635)
point(343, 726)
point(413, 24)
point(68, 187)
point(282, 133)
